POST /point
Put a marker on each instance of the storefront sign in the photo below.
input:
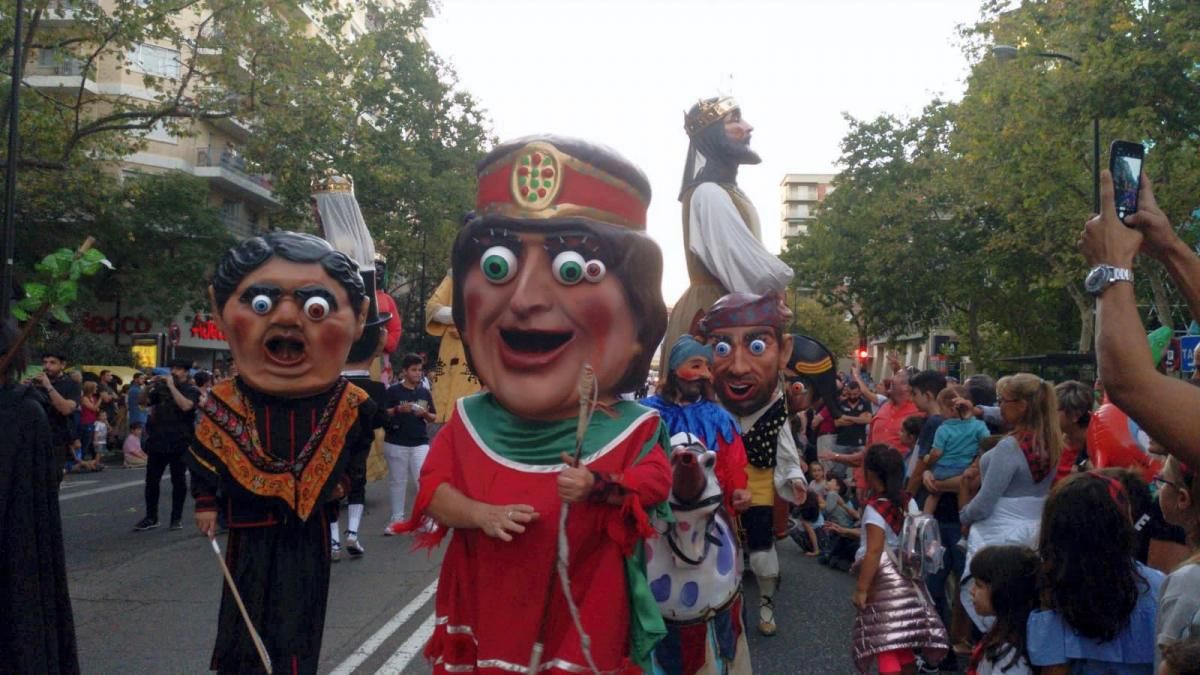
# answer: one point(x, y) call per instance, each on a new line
point(111, 325)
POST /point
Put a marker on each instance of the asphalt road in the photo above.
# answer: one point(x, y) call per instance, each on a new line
point(146, 602)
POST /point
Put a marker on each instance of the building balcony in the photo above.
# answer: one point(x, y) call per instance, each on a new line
point(64, 12)
point(66, 76)
point(227, 171)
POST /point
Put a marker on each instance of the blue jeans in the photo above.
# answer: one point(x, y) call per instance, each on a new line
point(953, 561)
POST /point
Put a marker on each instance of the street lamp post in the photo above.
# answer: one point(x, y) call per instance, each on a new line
point(1007, 53)
point(10, 174)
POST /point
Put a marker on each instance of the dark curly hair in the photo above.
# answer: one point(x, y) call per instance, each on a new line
point(887, 465)
point(1011, 573)
point(239, 261)
point(1086, 543)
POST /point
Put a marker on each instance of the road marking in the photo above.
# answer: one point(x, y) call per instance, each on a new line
point(366, 649)
point(77, 483)
point(411, 647)
point(100, 490)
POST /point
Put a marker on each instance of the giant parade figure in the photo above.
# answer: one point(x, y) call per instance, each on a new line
point(699, 549)
point(278, 440)
point(750, 350)
point(450, 376)
point(721, 234)
point(548, 479)
point(336, 211)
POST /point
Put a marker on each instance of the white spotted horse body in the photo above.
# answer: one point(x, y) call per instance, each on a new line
point(695, 567)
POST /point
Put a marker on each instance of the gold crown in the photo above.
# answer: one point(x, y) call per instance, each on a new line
point(330, 180)
point(707, 112)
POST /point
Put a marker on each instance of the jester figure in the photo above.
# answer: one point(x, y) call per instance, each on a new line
point(750, 350)
point(721, 235)
point(556, 298)
point(278, 440)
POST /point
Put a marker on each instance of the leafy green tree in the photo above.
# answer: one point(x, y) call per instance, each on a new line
point(314, 93)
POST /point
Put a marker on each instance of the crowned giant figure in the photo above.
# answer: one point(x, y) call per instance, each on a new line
point(721, 233)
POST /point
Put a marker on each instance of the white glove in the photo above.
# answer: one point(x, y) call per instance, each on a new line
point(443, 315)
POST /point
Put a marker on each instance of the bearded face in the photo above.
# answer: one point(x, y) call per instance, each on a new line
point(728, 142)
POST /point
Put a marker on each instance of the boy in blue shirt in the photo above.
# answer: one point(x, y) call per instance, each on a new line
point(956, 441)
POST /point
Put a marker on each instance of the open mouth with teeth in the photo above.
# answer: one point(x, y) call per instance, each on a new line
point(285, 350)
point(739, 389)
point(535, 341)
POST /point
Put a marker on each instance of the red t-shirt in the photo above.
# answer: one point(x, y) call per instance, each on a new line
point(885, 425)
point(826, 426)
point(1066, 463)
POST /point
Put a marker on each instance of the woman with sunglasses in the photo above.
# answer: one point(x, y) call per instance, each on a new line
point(1179, 598)
point(1014, 477)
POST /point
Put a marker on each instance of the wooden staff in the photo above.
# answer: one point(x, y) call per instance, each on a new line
point(258, 643)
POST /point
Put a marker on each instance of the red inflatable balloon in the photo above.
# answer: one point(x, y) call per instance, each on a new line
point(1112, 440)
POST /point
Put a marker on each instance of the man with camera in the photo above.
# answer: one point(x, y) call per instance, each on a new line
point(172, 401)
point(61, 397)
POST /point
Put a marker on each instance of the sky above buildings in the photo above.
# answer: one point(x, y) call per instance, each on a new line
point(622, 72)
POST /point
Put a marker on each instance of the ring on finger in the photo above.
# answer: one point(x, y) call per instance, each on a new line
point(508, 515)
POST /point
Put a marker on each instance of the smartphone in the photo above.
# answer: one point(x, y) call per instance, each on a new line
point(1125, 164)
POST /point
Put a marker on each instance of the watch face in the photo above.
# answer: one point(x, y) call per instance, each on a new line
point(1095, 281)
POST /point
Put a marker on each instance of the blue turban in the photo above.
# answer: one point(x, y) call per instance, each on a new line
point(685, 348)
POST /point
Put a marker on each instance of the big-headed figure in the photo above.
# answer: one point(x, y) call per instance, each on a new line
point(721, 235)
point(278, 439)
point(750, 349)
point(554, 272)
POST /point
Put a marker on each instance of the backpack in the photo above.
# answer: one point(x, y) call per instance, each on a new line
point(920, 551)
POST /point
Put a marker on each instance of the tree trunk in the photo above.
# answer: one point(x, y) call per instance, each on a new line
point(973, 339)
point(1087, 316)
point(1162, 299)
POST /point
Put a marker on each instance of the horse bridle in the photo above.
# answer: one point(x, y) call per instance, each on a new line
point(709, 538)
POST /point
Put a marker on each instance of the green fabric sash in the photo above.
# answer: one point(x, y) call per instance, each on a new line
point(541, 443)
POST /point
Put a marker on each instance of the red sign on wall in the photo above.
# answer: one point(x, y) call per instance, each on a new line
point(126, 325)
point(206, 329)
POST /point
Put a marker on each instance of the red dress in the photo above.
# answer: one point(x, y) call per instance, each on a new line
point(492, 594)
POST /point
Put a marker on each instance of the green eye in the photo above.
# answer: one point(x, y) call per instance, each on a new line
point(568, 268)
point(499, 264)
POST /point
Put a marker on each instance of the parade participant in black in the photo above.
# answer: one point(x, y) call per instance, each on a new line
point(721, 233)
point(37, 630)
point(341, 221)
point(279, 438)
point(172, 401)
point(61, 396)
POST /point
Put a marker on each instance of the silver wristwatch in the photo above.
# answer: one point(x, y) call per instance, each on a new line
point(1103, 276)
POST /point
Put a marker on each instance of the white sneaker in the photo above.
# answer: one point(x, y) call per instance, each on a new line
point(428, 526)
point(390, 530)
point(356, 549)
point(335, 551)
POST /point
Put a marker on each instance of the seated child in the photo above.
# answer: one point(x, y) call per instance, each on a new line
point(840, 531)
point(134, 455)
point(956, 442)
point(809, 514)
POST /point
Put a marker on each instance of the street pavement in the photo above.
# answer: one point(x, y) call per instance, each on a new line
point(146, 602)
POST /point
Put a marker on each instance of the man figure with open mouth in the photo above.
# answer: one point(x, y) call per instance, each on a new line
point(554, 274)
point(279, 438)
point(750, 349)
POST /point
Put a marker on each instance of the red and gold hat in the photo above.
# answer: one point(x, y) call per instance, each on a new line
point(553, 178)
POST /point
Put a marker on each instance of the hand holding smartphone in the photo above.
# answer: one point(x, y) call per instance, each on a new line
point(1125, 164)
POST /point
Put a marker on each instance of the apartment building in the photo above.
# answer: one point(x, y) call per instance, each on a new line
point(208, 149)
point(799, 194)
